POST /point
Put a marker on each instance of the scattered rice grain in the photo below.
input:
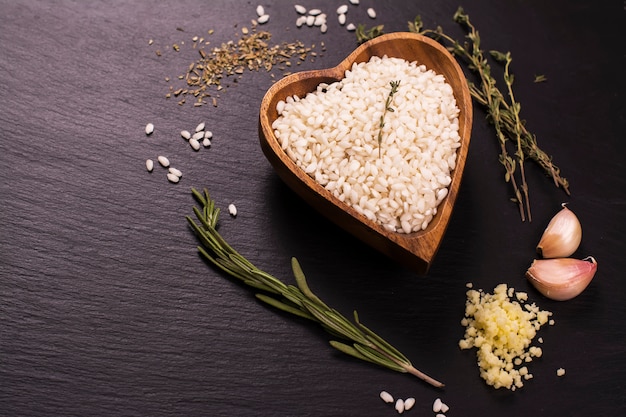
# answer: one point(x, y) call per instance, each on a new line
point(355, 2)
point(149, 128)
point(300, 21)
point(560, 372)
point(319, 20)
point(351, 27)
point(409, 403)
point(163, 161)
point(343, 9)
point(263, 19)
point(200, 127)
point(175, 172)
point(342, 19)
point(371, 13)
point(386, 397)
point(195, 144)
point(315, 12)
point(260, 11)
point(185, 134)
point(300, 9)
point(149, 165)
point(232, 209)
point(173, 178)
point(437, 405)
point(400, 405)
point(198, 135)
point(206, 142)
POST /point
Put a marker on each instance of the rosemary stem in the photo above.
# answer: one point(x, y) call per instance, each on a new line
point(297, 300)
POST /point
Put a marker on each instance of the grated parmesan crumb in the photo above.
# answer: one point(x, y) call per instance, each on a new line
point(502, 327)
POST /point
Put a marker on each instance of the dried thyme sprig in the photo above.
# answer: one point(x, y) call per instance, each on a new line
point(503, 114)
point(356, 339)
point(363, 34)
point(394, 89)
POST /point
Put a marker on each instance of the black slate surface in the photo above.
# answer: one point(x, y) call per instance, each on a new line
point(106, 308)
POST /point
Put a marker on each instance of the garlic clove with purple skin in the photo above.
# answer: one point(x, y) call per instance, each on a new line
point(562, 236)
point(562, 279)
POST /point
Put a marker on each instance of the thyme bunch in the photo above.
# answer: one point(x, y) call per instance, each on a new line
point(394, 89)
point(503, 114)
point(502, 108)
point(354, 338)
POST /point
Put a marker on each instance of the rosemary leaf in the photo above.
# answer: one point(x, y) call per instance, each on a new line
point(302, 284)
point(283, 306)
point(376, 357)
point(348, 350)
point(375, 338)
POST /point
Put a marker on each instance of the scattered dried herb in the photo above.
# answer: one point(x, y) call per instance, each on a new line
point(356, 339)
point(251, 52)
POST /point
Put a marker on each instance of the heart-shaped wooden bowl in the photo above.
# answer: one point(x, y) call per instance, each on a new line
point(414, 250)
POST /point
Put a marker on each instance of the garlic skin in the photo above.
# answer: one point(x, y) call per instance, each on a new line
point(562, 236)
point(562, 279)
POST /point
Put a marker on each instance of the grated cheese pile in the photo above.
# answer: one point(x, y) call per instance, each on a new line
point(502, 326)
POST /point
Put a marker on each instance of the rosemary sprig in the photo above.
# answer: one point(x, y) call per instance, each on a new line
point(355, 339)
point(502, 113)
point(394, 89)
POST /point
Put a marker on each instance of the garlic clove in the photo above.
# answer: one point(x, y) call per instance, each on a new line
point(562, 236)
point(562, 278)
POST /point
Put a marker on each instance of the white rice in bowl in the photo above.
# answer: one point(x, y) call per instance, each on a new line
point(332, 134)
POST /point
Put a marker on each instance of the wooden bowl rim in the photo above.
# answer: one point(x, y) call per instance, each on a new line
point(415, 250)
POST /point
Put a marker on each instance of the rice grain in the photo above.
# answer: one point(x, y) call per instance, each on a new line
point(195, 144)
point(386, 397)
point(409, 403)
point(175, 171)
point(163, 161)
point(400, 405)
point(173, 178)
